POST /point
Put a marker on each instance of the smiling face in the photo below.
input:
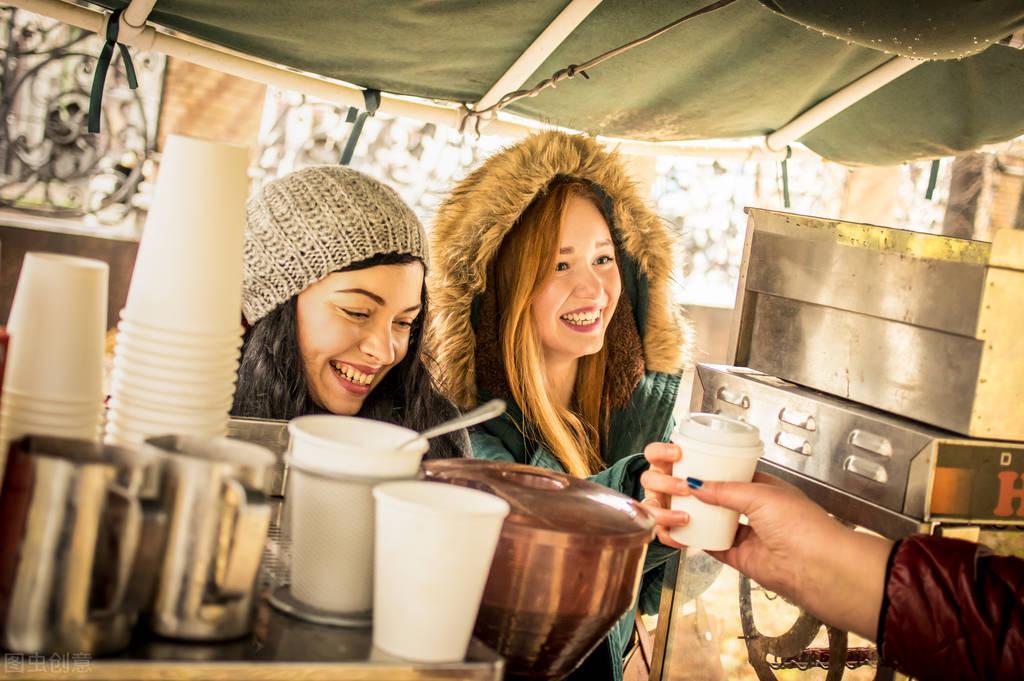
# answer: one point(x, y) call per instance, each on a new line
point(577, 299)
point(353, 327)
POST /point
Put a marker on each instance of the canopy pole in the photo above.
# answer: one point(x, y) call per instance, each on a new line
point(839, 101)
point(132, 21)
point(342, 94)
point(541, 48)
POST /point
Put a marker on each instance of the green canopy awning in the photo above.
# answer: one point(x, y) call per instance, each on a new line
point(746, 69)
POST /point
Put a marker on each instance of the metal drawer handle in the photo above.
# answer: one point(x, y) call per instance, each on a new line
point(871, 470)
point(793, 443)
point(718, 412)
point(800, 419)
point(869, 442)
point(736, 399)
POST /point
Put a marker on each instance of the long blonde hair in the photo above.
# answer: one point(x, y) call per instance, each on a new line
point(524, 260)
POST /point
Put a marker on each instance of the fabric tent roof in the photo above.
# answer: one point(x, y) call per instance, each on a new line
point(743, 70)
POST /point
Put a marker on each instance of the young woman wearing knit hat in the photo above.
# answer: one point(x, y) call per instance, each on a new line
point(550, 289)
point(333, 292)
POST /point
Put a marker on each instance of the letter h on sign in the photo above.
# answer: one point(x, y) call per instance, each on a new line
point(1010, 490)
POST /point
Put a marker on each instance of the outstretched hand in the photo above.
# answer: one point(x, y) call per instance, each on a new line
point(793, 547)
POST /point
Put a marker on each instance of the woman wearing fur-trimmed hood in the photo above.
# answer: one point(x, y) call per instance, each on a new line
point(546, 247)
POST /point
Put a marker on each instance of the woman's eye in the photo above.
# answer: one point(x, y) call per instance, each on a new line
point(405, 324)
point(355, 315)
point(604, 260)
point(561, 267)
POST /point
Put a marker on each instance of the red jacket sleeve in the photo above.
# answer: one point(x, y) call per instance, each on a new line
point(953, 610)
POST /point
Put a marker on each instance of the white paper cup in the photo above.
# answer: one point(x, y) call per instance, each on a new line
point(213, 379)
point(127, 355)
point(86, 426)
point(144, 416)
point(714, 448)
point(13, 427)
point(214, 387)
point(435, 544)
point(33, 399)
point(334, 461)
point(188, 272)
point(196, 355)
point(331, 523)
point(171, 402)
point(116, 433)
point(57, 327)
point(161, 337)
point(18, 404)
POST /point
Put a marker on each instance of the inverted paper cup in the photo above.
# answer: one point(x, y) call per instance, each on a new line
point(14, 427)
point(157, 336)
point(146, 416)
point(63, 421)
point(170, 401)
point(18, 403)
point(188, 272)
point(198, 355)
point(182, 380)
point(194, 367)
point(57, 326)
point(435, 544)
point(75, 403)
point(714, 448)
point(214, 388)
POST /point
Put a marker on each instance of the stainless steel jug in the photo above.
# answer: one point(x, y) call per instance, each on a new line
point(79, 533)
point(217, 526)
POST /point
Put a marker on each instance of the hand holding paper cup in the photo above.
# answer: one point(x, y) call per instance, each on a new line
point(714, 448)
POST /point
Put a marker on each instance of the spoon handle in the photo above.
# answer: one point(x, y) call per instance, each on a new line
point(485, 412)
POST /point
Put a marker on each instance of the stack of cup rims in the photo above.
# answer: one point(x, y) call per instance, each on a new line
point(179, 335)
point(53, 382)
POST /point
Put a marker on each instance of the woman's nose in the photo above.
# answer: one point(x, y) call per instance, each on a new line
point(589, 284)
point(377, 343)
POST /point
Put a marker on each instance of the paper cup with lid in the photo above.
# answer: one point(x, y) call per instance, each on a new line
point(714, 448)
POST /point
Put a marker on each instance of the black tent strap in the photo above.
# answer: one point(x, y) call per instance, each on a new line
point(933, 178)
point(371, 99)
point(103, 64)
point(785, 177)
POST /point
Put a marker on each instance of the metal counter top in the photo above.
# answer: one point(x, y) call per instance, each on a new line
point(280, 647)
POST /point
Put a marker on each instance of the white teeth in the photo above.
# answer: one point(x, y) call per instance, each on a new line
point(582, 319)
point(351, 374)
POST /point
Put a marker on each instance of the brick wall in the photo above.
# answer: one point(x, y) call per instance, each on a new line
point(200, 102)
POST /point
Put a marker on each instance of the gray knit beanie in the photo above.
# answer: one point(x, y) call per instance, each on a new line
point(314, 221)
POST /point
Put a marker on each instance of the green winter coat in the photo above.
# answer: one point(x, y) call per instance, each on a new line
point(647, 339)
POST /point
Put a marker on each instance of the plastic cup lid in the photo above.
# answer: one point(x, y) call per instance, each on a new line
point(722, 431)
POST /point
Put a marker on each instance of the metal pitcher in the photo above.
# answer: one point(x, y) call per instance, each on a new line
point(218, 518)
point(79, 533)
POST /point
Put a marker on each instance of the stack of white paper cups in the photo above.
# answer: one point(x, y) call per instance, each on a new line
point(177, 350)
point(53, 383)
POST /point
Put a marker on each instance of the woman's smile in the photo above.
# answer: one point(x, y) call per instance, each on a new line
point(584, 320)
point(357, 379)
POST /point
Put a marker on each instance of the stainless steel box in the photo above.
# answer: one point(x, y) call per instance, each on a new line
point(923, 326)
